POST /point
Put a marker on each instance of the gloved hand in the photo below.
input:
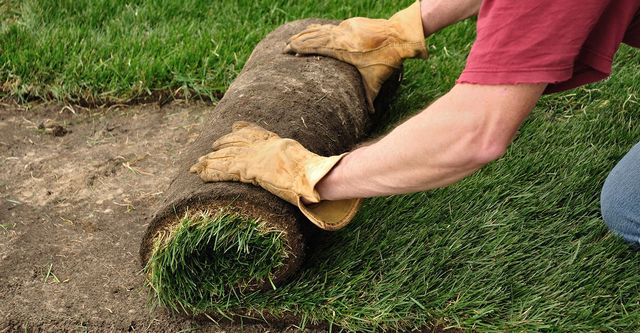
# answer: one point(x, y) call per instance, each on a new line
point(251, 154)
point(376, 47)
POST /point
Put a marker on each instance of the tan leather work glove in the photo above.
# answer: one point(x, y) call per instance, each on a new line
point(251, 154)
point(376, 47)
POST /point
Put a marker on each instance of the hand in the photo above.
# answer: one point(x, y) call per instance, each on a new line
point(376, 47)
point(251, 154)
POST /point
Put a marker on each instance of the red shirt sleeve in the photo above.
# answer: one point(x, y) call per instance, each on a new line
point(632, 35)
point(565, 43)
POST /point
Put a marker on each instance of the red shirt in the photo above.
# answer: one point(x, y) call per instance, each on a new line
point(566, 43)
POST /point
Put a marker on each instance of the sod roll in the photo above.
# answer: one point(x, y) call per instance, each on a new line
point(207, 241)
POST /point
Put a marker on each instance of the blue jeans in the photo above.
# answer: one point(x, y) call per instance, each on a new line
point(620, 198)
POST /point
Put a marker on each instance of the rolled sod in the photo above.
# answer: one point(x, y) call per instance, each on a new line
point(210, 241)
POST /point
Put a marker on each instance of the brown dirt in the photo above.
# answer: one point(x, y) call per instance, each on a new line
point(73, 209)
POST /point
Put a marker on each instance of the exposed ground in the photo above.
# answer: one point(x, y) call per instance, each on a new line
point(72, 213)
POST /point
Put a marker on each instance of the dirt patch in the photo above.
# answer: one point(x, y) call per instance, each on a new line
point(74, 203)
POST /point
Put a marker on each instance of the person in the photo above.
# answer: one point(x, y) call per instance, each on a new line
point(523, 49)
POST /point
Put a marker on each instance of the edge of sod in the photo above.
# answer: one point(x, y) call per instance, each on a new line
point(185, 278)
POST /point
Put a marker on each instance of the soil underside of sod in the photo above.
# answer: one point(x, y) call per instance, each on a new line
point(72, 214)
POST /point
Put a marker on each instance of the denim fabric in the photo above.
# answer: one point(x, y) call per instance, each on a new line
point(620, 198)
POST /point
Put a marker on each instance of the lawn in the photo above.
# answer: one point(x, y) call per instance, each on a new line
point(518, 246)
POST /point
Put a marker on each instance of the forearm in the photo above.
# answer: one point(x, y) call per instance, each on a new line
point(452, 138)
point(406, 160)
point(438, 14)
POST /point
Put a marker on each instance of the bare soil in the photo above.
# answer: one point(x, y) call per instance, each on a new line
point(75, 191)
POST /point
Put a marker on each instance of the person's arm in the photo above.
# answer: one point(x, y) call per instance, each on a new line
point(460, 132)
point(439, 14)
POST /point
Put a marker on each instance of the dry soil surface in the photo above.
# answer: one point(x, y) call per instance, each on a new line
point(75, 191)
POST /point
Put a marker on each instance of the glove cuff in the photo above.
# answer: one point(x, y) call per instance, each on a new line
point(409, 22)
point(327, 215)
point(316, 168)
point(331, 215)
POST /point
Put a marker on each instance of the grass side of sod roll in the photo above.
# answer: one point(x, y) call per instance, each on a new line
point(518, 246)
point(209, 257)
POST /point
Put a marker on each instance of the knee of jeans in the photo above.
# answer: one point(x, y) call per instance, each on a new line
point(614, 207)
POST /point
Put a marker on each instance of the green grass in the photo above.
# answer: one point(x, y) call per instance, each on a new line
point(518, 246)
point(210, 257)
point(104, 50)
